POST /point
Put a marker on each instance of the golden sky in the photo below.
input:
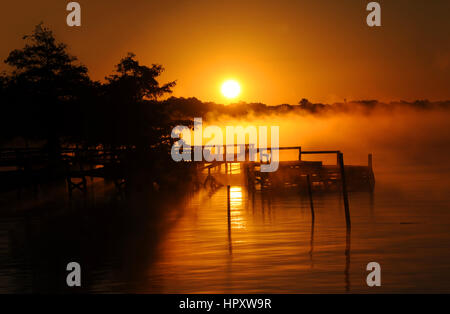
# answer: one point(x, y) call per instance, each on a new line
point(280, 51)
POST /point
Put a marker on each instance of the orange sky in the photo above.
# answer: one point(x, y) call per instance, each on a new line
point(280, 51)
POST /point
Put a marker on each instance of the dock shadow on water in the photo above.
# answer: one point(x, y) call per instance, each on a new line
point(116, 241)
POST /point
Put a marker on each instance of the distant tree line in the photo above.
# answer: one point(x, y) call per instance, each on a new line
point(187, 108)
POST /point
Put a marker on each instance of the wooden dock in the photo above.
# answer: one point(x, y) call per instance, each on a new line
point(293, 174)
point(28, 168)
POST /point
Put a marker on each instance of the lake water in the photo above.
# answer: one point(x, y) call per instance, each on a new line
point(269, 245)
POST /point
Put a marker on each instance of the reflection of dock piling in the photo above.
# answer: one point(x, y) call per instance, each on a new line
point(325, 178)
point(229, 217)
point(347, 259)
point(229, 200)
point(311, 203)
point(338, 177)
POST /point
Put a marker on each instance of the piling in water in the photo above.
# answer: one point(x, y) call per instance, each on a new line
point(344, 190)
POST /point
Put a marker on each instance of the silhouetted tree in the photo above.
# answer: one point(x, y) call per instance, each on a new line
point(133, 114)
point(45, 88)
point(133, 117)
point(5, 110)
point(138, 82)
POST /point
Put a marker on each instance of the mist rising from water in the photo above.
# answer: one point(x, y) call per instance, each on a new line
point(402, 140)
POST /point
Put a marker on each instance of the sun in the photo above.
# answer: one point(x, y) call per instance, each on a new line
point(231, 89)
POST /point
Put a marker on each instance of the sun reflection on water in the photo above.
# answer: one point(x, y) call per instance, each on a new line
point(237, 218)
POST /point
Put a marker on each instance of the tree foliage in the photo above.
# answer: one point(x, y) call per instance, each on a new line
point(44, 87)
point(138, 82)
point(48, 95)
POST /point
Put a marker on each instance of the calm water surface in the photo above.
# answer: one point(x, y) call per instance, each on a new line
point(269, 245)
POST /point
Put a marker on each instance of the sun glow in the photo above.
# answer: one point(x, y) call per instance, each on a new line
point(231, 89)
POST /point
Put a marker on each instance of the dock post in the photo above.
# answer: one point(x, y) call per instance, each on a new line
point(247, 152)
point(344, 190)
point(300, 153)
point(311, 203)
point(370, 162)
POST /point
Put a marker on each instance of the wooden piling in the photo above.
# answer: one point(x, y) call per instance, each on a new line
point(311, 203)
point(344, 190)
point(370, 162)
point(71, 185)
point(299, 154)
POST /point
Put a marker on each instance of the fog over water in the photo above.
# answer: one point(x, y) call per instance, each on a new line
point(403, 226)
point(401, 139)
point(270, 244)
